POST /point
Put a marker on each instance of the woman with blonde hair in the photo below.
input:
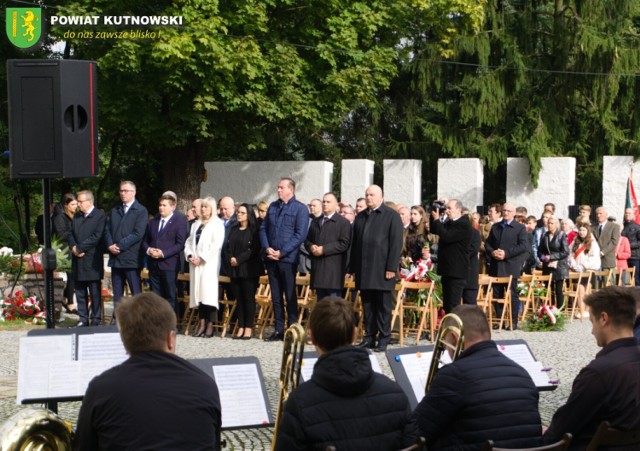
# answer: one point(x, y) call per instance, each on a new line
point(202, 251)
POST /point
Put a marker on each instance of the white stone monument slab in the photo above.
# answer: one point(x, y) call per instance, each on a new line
point(403, 181)
point(357, 175)
point(463, 179)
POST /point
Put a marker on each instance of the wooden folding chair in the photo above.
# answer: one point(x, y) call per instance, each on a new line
point(421, 310)
point(527, 298)
point(571, 286)
point(306, 298)
point(227, 306)
point(607, 436)
point(561, 445)
point(264, 312)
point(353, 295)
point(504, 301)
point(601, 279)
point(482, 300)
point(625, 277)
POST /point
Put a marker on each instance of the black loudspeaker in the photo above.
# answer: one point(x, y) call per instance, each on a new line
point(53, 125)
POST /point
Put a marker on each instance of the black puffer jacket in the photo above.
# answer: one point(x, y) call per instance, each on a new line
point(347, 405)
point(632, 231)
point(482, 395)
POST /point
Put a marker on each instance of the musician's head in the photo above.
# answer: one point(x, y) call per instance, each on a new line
point(146, 323)
point(612, 312)
point(474, 323)
point(332, 324)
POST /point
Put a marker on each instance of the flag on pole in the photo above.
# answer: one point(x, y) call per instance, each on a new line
point(631, 199)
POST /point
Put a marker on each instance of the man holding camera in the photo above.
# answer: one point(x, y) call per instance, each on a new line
point(453, 251)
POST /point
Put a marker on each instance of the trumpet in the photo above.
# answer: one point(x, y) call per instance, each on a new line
point(35, 429)
point(290, 369)
point(450, 324)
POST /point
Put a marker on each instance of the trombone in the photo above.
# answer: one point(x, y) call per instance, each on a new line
point(450, 324)
point(290, 368)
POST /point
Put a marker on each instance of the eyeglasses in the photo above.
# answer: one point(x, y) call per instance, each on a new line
point(126, 191)
point(81, 201)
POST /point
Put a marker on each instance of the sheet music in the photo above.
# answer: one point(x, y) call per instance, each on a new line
point(241, 396)
point(35, 356)
point(71, 379)
point(101, 347)
point(306, 370)
point(416, 366)
point(521, 354)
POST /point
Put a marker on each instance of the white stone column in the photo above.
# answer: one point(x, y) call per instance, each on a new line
point(357, 175)
point(462, 179)
point(615, 176)
point(556, 184)
point(403, 181)
point(253, 181)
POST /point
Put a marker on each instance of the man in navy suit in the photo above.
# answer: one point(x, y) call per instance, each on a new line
point(123, 238)
point(164, 243)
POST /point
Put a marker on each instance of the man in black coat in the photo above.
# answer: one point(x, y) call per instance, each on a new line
point(375, 257)
point(85, 242)
point(507, 247)
point(453, 251)
point(607, 388)
point(483, 395)
point(345, 403)
point(328, 243)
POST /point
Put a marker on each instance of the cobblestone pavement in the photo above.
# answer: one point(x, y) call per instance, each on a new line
point(565, 352)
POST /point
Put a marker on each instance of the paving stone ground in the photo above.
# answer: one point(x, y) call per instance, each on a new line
point(565, 352)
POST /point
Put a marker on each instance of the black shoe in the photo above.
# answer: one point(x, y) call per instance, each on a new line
point(276, 336)
point(366, 344)
point(495, 326)
point(380, 348)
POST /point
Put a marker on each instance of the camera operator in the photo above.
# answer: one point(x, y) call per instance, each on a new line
point(453, 251)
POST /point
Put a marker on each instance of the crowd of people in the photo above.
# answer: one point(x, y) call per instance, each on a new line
point(482, 395)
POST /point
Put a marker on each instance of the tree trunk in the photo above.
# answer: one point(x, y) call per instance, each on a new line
point(183, 171)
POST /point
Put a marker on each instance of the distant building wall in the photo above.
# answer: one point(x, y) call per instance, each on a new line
point(615, 176)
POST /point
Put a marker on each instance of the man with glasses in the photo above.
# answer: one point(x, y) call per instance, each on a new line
point(123, 238)
point(85, 239)
point(507, 247)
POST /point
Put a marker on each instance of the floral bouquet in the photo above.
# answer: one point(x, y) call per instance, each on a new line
point(539, 290)
point(19, 307)
point(547, 318)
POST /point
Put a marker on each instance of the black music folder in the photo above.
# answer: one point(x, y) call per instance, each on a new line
point(410, 366)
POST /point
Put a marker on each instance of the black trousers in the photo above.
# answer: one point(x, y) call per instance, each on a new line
point(245, 290)
point(377, 306)
point(452, 288)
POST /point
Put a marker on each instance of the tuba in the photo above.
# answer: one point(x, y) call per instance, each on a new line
point(450, 324)
point(35, 429)
point(292, 353)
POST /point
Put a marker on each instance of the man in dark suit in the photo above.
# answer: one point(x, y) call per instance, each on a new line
point(375, 256)
point(85, 240)
point(164, 243)
point(607, 234)
point(328, 242)
point(123, 238)
point(453, 250)
point(507, 247)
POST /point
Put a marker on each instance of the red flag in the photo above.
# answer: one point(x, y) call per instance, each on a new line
point(631, 200)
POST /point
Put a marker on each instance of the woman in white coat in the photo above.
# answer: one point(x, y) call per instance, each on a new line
point(202, 251)
point(585, 256)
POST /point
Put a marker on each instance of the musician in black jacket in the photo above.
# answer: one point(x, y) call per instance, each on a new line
point(483, 395)
point(345, 404)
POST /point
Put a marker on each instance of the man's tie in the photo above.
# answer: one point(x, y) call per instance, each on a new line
point(600, 227)
point(324, 219)
point(124, 209)
point(161, 225)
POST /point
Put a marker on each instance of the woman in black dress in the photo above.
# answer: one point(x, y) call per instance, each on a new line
point(61, 224)
point(243, 250)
